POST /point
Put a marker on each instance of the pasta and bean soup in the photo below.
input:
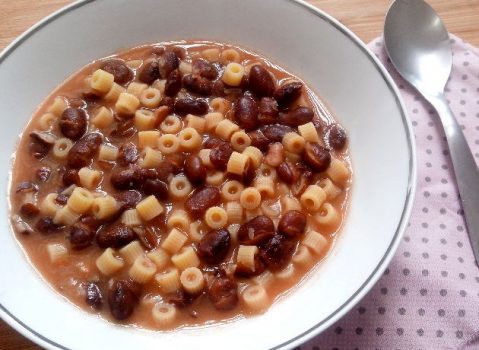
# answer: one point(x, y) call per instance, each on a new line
point(179, 184)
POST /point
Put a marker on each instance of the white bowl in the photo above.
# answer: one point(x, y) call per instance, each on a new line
point(307, 42)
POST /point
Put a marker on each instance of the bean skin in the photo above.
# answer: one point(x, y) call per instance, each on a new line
point(214, 246)
point(168, 62)
point(115, 236)
point(275, 155)
point(149, 72)
point(127, 154)
point(288, 93)
point(260, 81)
point(128, 199)
point(277, 252)
point(316, 156)
point(173, 83)
point(188, 105)
point(220, 154)
point(155, 187)
point(93, 295)
point(336, 137)
point(287, 172)
point(43, 173)
point(292, 224)
point(73, 123)
point(223, 292)
point(125, 179)
point(81, 236)
point(195, 170)
point(205, 69)
point(29, 210)
point(268, 111)
point(70, 177)
point(84, 150)
point(41, 143)
point(258, 140)
point(45, 225)
point(276, 132)
point(198, 84)
point(256, 231)
point(202, 199)
point(121, 72)
point(297, 116)
point(246, 112)
point(122, 299)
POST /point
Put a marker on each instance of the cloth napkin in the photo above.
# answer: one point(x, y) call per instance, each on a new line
point(428, 298)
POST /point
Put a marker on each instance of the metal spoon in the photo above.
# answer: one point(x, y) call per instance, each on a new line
point(418, 44)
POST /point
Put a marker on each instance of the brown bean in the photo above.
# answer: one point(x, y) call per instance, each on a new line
point(288, 93)
point(202, 199)
point(115, 236)
point(246, 112)
point(297, 116)
point(336, 137)
point(258, 140)
point(25, 187)
point(43, 173)
point(198, 84)
point(121, 72)
point(292, 224)
point(184, 106)
point(62, 199)
point(195, 170)
point(127, 154)
point(155, 187)
point(212, 142)
point(304, 180)
point(260, 81)
point(276, 132)
point(173, 83)
point(158, 50)
point(81, 236)
point(128, 199)
point(168, 62)
point(220, 155)
point(167, 101)
point(70, 177)
point(45, 225)
point(41, 143)
point(287, 172)
point(125, 129)
point(214, 246)
point(316, 156)
point(166, 170)
point(124, 179)
point(73, 123)
point(218, 89)
point(122, 299)
point(84, 150)
point(180, 298)
point(256, 231)
point(29, 210)
point(93, 295)
point(223, 292)
point(205, 69)
point(149, 72)
point(268, 111)
point(275, 155)
point(277, 252)
point(179, 51)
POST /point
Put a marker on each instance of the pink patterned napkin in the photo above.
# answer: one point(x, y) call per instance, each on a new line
point(428, 298)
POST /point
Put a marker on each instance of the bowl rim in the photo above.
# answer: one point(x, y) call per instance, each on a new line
point(41, 340)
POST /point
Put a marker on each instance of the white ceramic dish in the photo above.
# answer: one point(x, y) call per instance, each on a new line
point(308, 43)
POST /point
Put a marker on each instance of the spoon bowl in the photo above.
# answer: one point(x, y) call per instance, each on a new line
point(419, 43)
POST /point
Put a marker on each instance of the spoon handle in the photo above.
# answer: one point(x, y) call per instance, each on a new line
point(465, 169)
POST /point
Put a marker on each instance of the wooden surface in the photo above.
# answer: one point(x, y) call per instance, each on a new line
point(364, 17)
